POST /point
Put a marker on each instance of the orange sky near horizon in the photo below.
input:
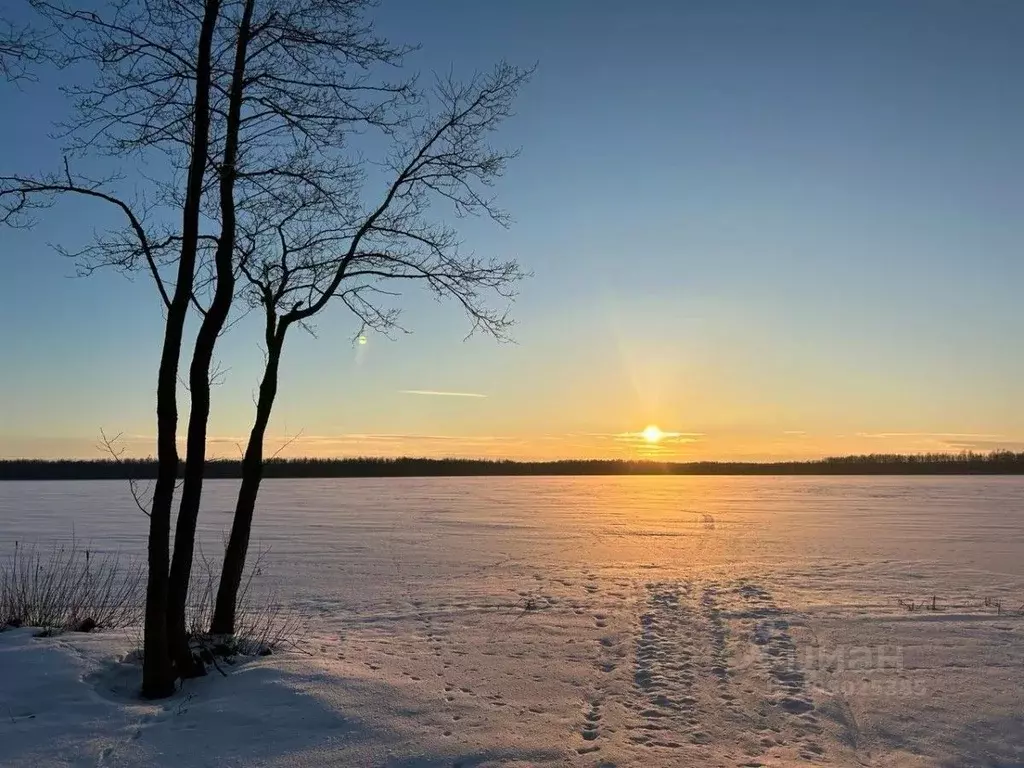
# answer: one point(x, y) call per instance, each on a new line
point(673, 446)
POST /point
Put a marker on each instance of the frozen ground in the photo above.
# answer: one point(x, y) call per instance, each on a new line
point(570, 622)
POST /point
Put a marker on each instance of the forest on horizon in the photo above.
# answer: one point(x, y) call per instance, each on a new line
point(998, 462)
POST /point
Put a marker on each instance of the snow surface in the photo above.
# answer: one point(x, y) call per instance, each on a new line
point(654, 621)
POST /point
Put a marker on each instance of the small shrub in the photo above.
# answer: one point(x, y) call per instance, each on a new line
point(261, 622)
point(69, 588)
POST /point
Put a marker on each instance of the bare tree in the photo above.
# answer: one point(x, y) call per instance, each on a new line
point(299, 84)
point(261, 112)
point(271, 80)
point(321, 243)
point(153, 64)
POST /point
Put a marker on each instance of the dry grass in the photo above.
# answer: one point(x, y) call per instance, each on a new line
point(261, 622)
point(70, 587)
point(67, 585)
point(938, 604)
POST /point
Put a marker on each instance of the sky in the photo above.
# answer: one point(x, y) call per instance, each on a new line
point(774, 230)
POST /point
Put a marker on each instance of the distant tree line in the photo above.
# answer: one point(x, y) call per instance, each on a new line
point(999, 462)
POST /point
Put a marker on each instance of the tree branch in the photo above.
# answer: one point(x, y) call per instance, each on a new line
point(16, 198)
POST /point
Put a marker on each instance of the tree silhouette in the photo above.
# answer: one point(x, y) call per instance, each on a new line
point(153, 72)
point(325, 240)
point(254, 110)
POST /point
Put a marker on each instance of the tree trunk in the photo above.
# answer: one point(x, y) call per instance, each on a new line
point(199, 372)
point(158, 673)
point(192, 486)
point(252, 473)
point(157, 670)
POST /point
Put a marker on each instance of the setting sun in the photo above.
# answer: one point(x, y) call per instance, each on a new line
point(652, 434)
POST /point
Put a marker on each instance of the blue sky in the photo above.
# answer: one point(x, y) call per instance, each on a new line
point(783, 229)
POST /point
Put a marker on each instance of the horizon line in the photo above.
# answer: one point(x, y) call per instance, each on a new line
point(932, 456)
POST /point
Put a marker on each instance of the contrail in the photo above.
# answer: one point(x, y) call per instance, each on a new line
point(439, 394)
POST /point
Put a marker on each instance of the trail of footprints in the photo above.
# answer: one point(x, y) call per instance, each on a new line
point(665, 669)
point(708, 658)
point(786, 692)
point(700, 662)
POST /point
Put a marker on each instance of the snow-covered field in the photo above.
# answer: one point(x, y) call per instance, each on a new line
point(651, 621)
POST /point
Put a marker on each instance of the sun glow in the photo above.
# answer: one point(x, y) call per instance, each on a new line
point(652, 434)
